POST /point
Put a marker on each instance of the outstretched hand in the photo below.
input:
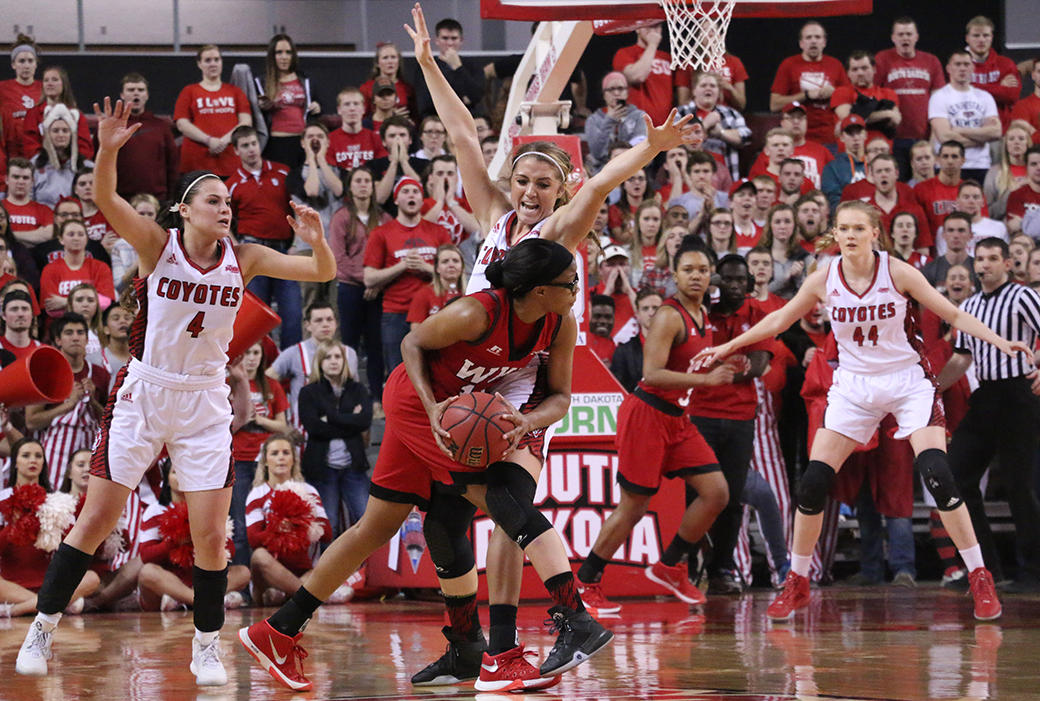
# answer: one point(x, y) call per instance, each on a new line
point(673, 133)
point(421, 36)
point(710, 356)
point(307, 224)
point(112, 130)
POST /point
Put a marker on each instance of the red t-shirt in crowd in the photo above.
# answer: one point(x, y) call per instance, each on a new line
point(405, 96)
point(654, 95)
point(1022, 200)
point(427, 303)
point(925, 238)
point(937, 200)
point(216, 114)
point(864, 190)
point(603, 347)
point(747, 241)
point(448, 220)
point(1028, 110)
point(848, 94)
point(389, 244)
point(58, 279)
point(348, 151)
point(15, 100)
point(737, 401)
point(19, 352)
point(988, 74)
point(261, 202)
point(813, 155)
point(796, 75)
point(913, 80)
point(289, 115)
point(97, 226)
point(6, 278)
point(29, 216)
point(732, 71)
point(246, 443)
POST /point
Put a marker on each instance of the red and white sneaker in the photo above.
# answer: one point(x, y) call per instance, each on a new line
point(595, 602)
point(794, 596)
point(987, 605)
point(676, 580)
point(279, 654)
point(509, 671)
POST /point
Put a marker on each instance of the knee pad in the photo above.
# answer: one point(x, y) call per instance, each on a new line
point(446, 529)
point(815, 487)
point(510, 502)
point(934, 466)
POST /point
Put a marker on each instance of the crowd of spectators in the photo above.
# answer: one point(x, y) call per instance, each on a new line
point(947, 150)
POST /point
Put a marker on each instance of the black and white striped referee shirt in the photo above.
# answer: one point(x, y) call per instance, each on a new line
point(1012, 311)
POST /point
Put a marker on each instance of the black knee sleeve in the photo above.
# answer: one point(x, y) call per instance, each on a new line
point(934, 466)
point(66, 570)
point(815, 487)
point(446, 528)
point(210, 587)
point(510, 502)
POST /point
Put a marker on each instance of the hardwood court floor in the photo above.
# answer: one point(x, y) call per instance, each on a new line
point(880, 643)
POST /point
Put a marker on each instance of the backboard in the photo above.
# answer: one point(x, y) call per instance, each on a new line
point(559, 10)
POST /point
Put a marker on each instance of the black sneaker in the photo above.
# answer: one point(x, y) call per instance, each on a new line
point(459, 663)
point(725, 582)
point(581, 636)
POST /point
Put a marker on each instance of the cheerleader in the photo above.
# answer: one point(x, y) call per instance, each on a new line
point(285, 521)
point(32, 523)
point(168, 555)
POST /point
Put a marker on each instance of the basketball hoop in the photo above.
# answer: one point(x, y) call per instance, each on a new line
point(697, 29)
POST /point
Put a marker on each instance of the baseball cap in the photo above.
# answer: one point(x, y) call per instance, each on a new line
point(792, 106)
point(381, 86)
point(612, 251)
point(853, 120)
point(742, 184)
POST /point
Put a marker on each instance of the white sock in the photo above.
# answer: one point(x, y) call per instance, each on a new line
point(800, 564)
point(206, 638)
point(972, 557)
point(48, 621)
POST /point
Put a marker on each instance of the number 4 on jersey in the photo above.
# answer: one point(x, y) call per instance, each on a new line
point(195, 326)
point(872, 335)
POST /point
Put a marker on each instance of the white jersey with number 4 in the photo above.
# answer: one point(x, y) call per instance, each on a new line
point(187, 314)
point(875, 331)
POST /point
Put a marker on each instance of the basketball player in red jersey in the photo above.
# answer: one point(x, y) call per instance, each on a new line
point(173, 391)
point(470, 345)
point(880, 371)
point(655, 439)
point(538, 204)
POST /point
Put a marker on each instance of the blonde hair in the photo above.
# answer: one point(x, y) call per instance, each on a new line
point(439, 286)
point(828, 240)
point(663, 260)
point(323, 350)
point(261, 476)
point(552, 152)
point(1004, 178)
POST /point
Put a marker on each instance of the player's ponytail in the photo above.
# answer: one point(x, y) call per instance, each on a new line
point(527, 265)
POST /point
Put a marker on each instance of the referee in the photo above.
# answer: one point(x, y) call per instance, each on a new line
point(1003, 417)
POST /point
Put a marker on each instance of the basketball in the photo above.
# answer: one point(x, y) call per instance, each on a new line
point(476, 422)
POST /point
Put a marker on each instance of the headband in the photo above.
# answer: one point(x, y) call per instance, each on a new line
point(539, 154)
point(23, 47)
point(176, 205)
point(406, 181)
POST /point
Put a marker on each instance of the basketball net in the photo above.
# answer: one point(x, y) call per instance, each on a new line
point(698, 32)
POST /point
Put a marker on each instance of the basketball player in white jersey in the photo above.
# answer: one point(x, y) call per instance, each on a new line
point(539, 204)
point(880, 371)
point(173, 392)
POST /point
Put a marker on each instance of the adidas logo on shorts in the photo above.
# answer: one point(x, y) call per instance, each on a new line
point(126, 397)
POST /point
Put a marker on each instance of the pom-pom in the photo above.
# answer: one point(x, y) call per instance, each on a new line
point(174, 527)
point(290, 515)
point(20, 513)
point(56, 515)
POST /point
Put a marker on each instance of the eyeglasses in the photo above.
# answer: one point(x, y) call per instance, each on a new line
point(571, 286)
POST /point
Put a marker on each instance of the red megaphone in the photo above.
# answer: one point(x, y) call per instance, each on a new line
point(42, 376)
point(254, 321)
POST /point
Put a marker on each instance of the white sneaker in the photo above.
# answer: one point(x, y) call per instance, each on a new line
point(205, 663)
point(342, 595)
point(36, 650)
point(234, 600)
point(170, 604)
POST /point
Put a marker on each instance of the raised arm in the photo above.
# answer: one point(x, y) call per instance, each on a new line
point(147, 237)
point(487, 200)
point(811, 292)
point(912, 282)
point(572, 222)
point(260, 260)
